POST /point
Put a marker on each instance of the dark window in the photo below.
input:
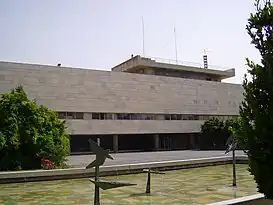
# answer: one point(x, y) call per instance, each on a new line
point(149, 117)
point(95, 116)
point(135, 117)
point(108, 116)
point(127, 117)
point(179, 117)
point(71, 115)
point(119, 116)
point(123, 116)
point(140, 117)
point(79, 115)
point(102, 116)
point(62, 115)
point(196, 117)
point(173, 117)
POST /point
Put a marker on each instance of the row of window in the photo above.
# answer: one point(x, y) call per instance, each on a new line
point(134, 116)
point(70, 115)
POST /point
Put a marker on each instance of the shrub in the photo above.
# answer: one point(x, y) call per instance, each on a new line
point(29, 133)
point(215, 133)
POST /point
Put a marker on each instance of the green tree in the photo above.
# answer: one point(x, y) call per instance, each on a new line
point(29, 133)
point(215, 133)
point(256, 111)
point(213, 125)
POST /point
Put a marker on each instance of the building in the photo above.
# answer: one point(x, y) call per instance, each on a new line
point(141, 105)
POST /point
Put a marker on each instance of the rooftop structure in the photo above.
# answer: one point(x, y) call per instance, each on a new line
point(171, 68)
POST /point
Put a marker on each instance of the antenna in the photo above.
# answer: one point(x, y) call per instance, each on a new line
point(175, 45)
point(143, 42)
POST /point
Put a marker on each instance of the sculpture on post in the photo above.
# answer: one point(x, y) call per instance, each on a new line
point(101, 156)
point(148, 185)
point(232, 145)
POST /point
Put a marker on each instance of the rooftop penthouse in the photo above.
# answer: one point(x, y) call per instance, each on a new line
point(173, 68)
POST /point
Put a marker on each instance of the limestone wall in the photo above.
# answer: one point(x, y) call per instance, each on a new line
point(85, 90)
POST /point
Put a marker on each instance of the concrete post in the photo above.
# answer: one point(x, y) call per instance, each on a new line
point(115, 143)
point(156, 142)
point(148, 185)
point(234, 167)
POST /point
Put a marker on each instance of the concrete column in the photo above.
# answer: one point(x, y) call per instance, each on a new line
point(115, 143)
point(156, 142)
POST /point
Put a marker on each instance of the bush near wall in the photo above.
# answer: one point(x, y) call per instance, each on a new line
point(29, 133)
point(214, 134)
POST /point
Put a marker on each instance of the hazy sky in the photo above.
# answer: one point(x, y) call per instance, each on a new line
point(102, 33)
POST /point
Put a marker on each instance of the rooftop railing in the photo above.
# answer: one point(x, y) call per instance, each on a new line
point(186, 63)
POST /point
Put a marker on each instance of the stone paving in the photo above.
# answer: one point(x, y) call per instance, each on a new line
point(142, 157)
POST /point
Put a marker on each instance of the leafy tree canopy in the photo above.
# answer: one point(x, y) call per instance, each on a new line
point(215, 133)
point(29, 133)
point(215, 125)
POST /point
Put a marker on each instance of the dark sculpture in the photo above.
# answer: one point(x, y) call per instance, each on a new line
point(110, 185)
point(101, 156)
point(148, 185)
point(232, 145)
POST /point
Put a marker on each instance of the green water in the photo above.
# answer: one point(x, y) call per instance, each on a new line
point(189, 186)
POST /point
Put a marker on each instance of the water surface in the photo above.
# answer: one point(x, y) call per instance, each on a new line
point(188, 186)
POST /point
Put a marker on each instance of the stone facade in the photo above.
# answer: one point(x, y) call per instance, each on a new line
point(86, 90)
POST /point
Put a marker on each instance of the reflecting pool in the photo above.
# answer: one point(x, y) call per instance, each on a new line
point(187, 186)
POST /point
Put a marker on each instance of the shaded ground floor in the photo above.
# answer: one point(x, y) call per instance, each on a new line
point(136, 143)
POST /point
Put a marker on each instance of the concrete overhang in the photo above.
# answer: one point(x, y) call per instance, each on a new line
point(139, 62)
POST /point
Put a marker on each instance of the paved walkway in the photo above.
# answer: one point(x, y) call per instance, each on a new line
point(142, 157)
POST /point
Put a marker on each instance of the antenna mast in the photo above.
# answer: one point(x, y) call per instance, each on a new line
point(175, 44)
point(143, 42)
